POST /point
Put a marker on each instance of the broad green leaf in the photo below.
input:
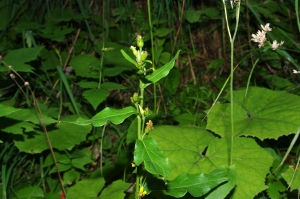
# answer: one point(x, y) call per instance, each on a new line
point(162, 32)
point(108, 114)
point(192, 15)
point(196, 184)
point(70, 177)
point(252, 164)
point(115, 190)
point(262, 113)
point(65, 136)
point(275, 189)
point(79, 163)
point(29, 192)
point(18, 58)
point(16, 127)
point(6, 110)
point(162, 71)
point(216, 63)
point(154, 160)
point(85, 66)
point(27, 115)
point(95, 96)
point(86, 189)
point(185, 149)
point(165, 57)
point(223, 190)
point(184, 146)
point(132, 132)
point(292, 177)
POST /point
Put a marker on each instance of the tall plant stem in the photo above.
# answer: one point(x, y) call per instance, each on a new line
point(152, 51)
point(232, 39)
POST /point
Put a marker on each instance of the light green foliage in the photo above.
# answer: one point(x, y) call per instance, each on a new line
point(292, 177)
point(108, 114)
point(147, 152)
point(262, 113)
point(18, 59)
point(86, 189)
point(115, 190)
point(29, 192)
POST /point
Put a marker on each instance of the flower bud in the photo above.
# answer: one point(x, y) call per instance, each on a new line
point(135, 52)
point(135, 98)
point(144, 55)
point(139, 41)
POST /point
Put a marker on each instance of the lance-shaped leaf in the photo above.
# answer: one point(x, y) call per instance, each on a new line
point(196, 184)
point(262, 113)
point(155, 161)
point(128, 58)
point(163, 71)
point(115, 116)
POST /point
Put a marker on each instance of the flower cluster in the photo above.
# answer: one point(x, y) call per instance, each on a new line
point(260, 37)
point(296, 71)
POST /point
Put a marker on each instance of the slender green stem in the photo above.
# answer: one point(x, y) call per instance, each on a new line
point(297, 13)
point(232, 39)
point(152, 51)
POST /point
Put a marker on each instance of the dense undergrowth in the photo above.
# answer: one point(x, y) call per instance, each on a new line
point(133, 99)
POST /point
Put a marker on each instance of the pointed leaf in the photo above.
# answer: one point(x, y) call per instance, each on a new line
point(115, 190)
point(30, 192)
point(66, 136)
point(18, 58)
point(108, 114)
point(85, 65)
point(155, 162)
point(262, 113)
point(163, 71)
point(6, 110)
point(128, 58)
point(95, 96)
point(196, 184)
point(86, 189)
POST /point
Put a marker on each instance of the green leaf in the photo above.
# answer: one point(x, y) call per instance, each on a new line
point(292, 177)
point(163, 71)
point(196, 184)
point(65, 136)
point(192, 15)
point(115, 190)
point(275, 189)
point(112, 86)
point(79, 163)
point(85, 66)
point(95, 96)
point(162, 32)
point(30, 116)
point(262, 113)
point(165, 57)
point(6, 110)
point(185, 148)
point(70, 177)
point(172, 80)
point(252, 164)
point(155, 162)
point(86, 189)
point(128, 58)
point(29, 192)
point(223, 190)
point(89, 84)
point(108, 114)
point(17, 58)
point(184, 145)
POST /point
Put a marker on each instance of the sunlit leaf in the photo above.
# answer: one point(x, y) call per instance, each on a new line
point(155, 161)
point(108, 114)
point(95, 96)
point(162, 71)
point(115, 190)
point(86, 189)
point(262, 113)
